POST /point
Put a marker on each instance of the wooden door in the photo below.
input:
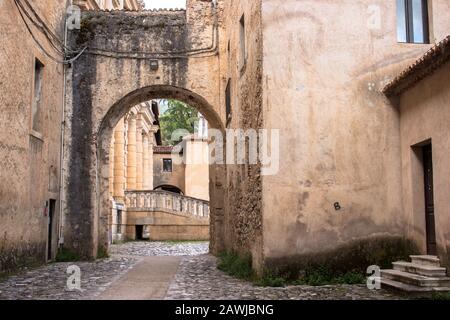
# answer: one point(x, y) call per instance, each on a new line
point(429, 200)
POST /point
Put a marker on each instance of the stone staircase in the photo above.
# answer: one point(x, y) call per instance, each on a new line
point(424, 274)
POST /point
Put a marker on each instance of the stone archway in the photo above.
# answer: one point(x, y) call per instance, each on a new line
point(106, 81)
point(94, 219)
point(115, 113)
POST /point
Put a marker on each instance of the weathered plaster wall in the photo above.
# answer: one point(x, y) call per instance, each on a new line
point(29, 163)
point(244, 191)
point(425, 114)
point(197, 169)
point(116, 74)
point(340, 138)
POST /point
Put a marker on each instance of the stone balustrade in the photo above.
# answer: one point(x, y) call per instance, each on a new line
point(152, 201)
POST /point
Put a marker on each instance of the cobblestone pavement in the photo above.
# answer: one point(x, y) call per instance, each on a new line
point(198, 278)
point(148, 249)
point(50, 282)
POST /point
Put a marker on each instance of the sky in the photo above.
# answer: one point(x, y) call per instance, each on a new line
point(157, 4)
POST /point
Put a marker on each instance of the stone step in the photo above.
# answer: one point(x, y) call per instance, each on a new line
point(391, 284)
point(415, 279)
point(423, 270)
point(426, 260)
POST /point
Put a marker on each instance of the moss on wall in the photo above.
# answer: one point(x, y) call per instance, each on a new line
point(356, 256)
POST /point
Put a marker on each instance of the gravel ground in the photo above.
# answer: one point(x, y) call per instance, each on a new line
point(149, 249)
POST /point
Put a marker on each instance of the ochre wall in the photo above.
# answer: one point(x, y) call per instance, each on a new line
point(324, 65)
point(425, 115)
point(29, 163)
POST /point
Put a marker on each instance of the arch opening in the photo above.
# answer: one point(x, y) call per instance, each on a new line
point(103, 225)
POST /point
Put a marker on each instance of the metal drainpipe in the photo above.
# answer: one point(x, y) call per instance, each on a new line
point(63, 126)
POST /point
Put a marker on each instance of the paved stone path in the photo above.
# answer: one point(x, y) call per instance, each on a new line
point(50, 282)
point(148, 280)
point(198, 278)
point(157, 270)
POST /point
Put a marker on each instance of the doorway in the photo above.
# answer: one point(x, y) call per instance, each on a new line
point(139, 233)
point(427, 152)
point(51, 216)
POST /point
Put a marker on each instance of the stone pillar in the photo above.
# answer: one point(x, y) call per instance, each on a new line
point(151, 143)
point(119, 161)
point(111, 167)
point(139, 155)
point(146, 170)
point(131, 157)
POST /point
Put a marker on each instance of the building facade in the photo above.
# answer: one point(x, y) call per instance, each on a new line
point(131, 167)
point(342, 185)
point(32, 96)
point(32, 71)
point(421, 94)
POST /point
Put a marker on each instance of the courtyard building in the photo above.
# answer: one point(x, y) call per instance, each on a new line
point(156, 193)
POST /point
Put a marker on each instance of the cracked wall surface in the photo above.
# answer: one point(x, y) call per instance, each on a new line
point(340, 135)
point(29, 160)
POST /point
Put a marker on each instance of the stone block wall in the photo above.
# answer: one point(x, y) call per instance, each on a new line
point(244, 76)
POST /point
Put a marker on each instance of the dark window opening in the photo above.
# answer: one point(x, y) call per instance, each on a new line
point(228, 100)
point(36, 115)
point(119, 222)
point(412, 21)
point(167, 165)
point(243, 56)
point(51, 217)
point(139, 232)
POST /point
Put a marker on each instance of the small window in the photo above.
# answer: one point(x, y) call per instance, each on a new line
point(228, 100)
point(36, 115)
point(243, 48)
point(412, 21)
point(229, 52)
point(167, 165)
point(119, 222)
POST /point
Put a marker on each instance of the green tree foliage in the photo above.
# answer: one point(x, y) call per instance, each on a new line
point(178, 116)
